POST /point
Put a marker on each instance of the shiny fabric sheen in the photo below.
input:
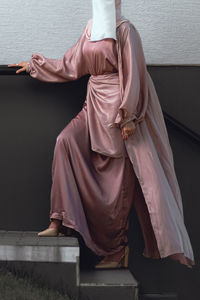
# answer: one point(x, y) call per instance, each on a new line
point(91, 193)
point(103, 100)
point(109, 100)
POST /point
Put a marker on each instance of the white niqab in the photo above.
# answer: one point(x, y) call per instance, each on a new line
point(104, 20)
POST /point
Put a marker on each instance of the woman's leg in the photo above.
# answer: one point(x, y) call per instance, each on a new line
point(91, 193)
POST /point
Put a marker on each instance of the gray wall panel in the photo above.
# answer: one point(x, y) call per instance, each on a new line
point(169, 29)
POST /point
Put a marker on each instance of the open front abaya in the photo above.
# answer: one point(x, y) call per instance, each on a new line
point(96, 174)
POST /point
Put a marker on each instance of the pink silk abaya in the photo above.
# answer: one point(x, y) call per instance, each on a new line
point(96, 174)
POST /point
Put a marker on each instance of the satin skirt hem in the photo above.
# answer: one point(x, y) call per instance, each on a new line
point(176, 256)
point(90, 245)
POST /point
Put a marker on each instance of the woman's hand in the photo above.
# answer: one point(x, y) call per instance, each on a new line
point(128, 129)
point(23, 66)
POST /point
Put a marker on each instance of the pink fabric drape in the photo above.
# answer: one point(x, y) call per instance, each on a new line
point(120, 86)
point(91, 193)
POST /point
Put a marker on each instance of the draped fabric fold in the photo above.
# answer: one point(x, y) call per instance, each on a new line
point(120, 87)
point(103, 101)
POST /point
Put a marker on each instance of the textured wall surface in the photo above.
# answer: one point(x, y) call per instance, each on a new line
point(169, 29)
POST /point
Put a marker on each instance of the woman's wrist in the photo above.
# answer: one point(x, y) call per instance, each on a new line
point(28, 67)
point(127, 120)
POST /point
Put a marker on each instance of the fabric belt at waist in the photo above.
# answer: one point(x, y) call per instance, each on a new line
point(107, 78)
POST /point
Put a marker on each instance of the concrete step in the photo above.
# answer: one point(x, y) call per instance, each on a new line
point(53, 261)
point(108, 284)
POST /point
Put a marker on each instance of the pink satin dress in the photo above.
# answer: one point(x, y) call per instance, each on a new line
point(93, 192)
point(94, 182)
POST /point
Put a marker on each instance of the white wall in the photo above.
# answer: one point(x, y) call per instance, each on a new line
point(170, 29)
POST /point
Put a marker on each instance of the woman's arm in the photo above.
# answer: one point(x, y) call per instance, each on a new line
point(135, 96)
point(70, 67)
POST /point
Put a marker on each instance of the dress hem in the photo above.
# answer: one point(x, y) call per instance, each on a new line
point(176, 256)
point(94, 249)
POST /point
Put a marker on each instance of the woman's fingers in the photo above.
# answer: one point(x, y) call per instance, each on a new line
point(128, 130)
point(21, 70)
point(13, 65)
point(124, 134)
point(22, 65)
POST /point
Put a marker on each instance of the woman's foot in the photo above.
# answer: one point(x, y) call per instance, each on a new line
point(66, 231)
point(116, 260)
point(53, 229)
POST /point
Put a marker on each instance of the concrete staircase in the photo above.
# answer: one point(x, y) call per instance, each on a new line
point(54, 261)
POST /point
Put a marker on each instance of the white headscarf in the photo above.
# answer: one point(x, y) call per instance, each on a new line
point(104, 20)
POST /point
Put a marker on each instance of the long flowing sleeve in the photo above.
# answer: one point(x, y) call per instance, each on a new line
point(134, 78)
point(71, 67)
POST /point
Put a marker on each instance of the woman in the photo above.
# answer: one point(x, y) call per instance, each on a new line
point(116, 151)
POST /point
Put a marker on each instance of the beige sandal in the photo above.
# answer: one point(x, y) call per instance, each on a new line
point(49, 232)
point(122, 263)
